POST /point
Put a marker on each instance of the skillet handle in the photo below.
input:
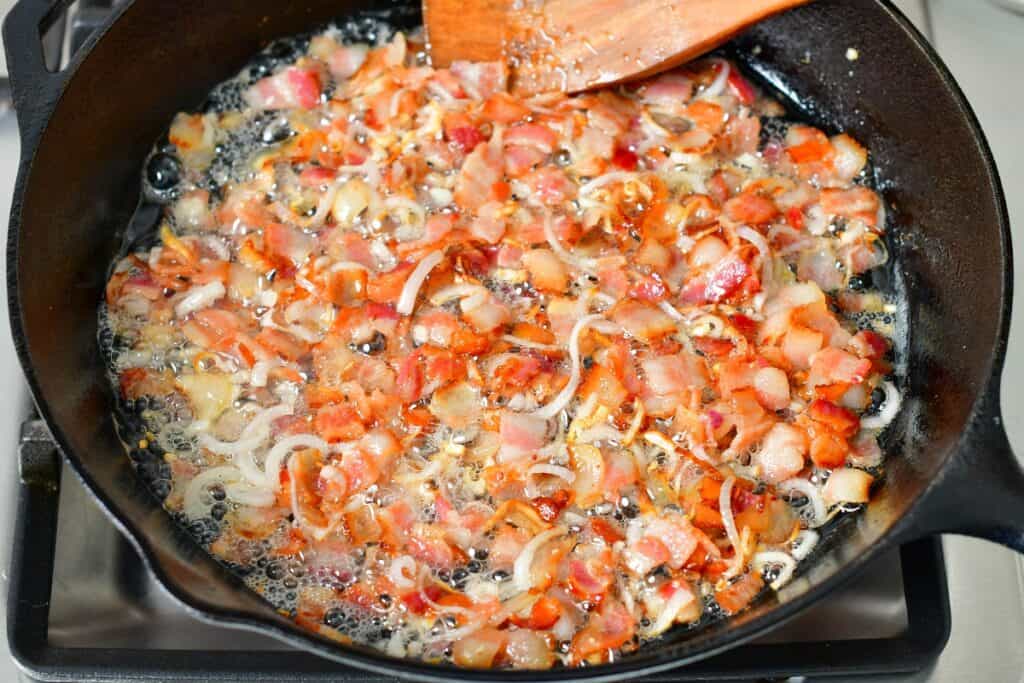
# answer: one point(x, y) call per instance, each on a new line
point(981, 492)
point(35, 85)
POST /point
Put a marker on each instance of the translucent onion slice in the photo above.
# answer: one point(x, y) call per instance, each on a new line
point(585, 264)
point(717, 86)
point(199, 298)
point(281, 450)
point(776, 558)
point(546, 468)
point(193, 504)
point(559, 403)
point(401, 571)
point(819, 513)
point(679, 600)
point(318, 532)
point(411, 289)
point(728, 521)
point(767, 261)
point(522, 569)
point(890, 408)
point(804, 544)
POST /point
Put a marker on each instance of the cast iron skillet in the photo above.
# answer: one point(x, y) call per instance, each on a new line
point(85, 132)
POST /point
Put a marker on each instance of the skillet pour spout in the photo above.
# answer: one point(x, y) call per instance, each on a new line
point(86, 130)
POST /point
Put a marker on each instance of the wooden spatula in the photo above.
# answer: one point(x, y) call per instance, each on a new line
point(574, 45)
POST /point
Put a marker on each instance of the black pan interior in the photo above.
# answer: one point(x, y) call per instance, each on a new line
point(947, 243)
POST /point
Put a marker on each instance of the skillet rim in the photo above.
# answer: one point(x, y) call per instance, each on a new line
point(652, 661)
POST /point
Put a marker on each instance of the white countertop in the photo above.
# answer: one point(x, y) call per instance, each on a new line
point(984, 48)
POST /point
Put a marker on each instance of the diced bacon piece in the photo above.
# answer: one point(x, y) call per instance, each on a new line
point(672, 374)
point(521, 435)
point(594, 146)
point(551, 185)
point(857, 202)
point(782, 453)
point(338, 423)
point(850, 157)
point(520, 159)
point(676, 532)
point(667, 89)
point(841, 420)
point(614, 281)
point(488, 316)
point(516, 372)
point(591, 577)
point(608, 629)
point(750, 208)
point(830, 366)
point(427, 545)
point(643, 321)
point(737, 374)
point(724, 280)
point(862, 257)
point(489, 224)
point(282, 343)
point(562, 315)
point(478, 176)
point(532, 135)
point(291, 88)
point(466, 138)
point(805, 144)
point(547, 271)
point(346, 60)
point(343, 61)
point(445, 81)
point(738, 595)
point(480, 80)
point(869, 344)
point(508, 256)
point(707, 252)
point(386, 288)
point(142, 285)
point(865, 451)
point(283, 242)
point(742, 135)
point(461, 131)
point(410, 378)
point(792, 296)
point(828, 449)
point(799, 344)
point(503, 108)
point(646, 554)
point(772, 388)
point(603, 382)
point(706, 116)
point(819, 265)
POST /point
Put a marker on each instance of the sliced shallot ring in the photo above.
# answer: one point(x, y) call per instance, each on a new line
point(419, 275)
point(887, 413)
point(522, 568)
point(777, 558)
point(559, 403)
point(814, 499)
